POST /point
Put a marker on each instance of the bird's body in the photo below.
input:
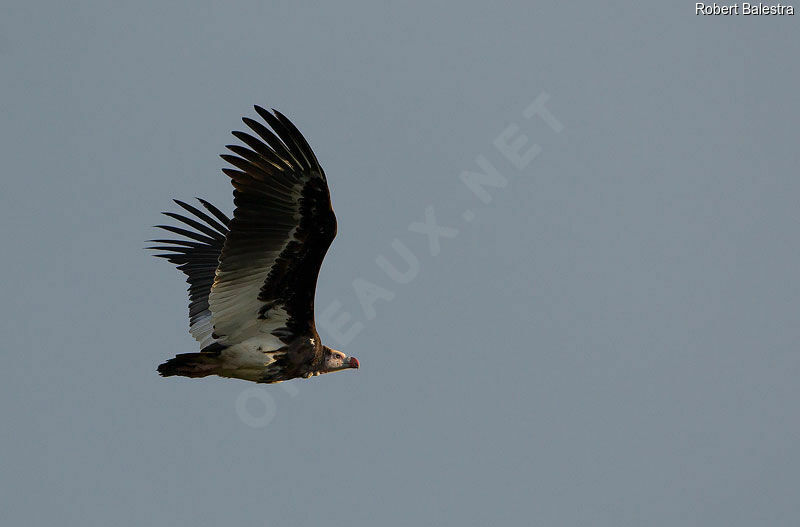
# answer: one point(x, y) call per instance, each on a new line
point(252, 277)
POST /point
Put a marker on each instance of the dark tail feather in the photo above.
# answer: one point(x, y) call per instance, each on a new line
point(190, 365)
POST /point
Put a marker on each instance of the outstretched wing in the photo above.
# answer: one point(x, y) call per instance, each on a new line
point(281, 229)
point(197, 255)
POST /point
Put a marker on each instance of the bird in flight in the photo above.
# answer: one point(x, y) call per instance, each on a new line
point(252, 277)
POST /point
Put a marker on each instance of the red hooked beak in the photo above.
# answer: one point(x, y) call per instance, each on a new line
point(353, 362)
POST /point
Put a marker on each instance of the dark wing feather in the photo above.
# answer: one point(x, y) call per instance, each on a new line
point(281, 229)
point(198, 258)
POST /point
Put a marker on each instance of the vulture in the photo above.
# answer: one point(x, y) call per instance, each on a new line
point(252, 277)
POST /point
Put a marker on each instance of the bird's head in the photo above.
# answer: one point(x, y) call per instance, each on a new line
point(335, 360)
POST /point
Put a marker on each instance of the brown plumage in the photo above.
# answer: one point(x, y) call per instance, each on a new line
point(252, 278)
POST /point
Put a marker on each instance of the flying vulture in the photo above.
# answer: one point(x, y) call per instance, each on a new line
point(252, 277)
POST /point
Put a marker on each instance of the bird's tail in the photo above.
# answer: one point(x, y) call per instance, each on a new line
point(191, 365)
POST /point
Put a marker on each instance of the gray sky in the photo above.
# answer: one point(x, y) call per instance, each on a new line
point(611, 340)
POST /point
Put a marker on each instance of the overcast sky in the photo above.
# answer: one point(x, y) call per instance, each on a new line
point(602, 331)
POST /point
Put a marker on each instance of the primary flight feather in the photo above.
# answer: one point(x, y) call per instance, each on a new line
point(252, 277)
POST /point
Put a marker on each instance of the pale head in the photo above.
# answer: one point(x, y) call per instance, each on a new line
point(335, 360)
